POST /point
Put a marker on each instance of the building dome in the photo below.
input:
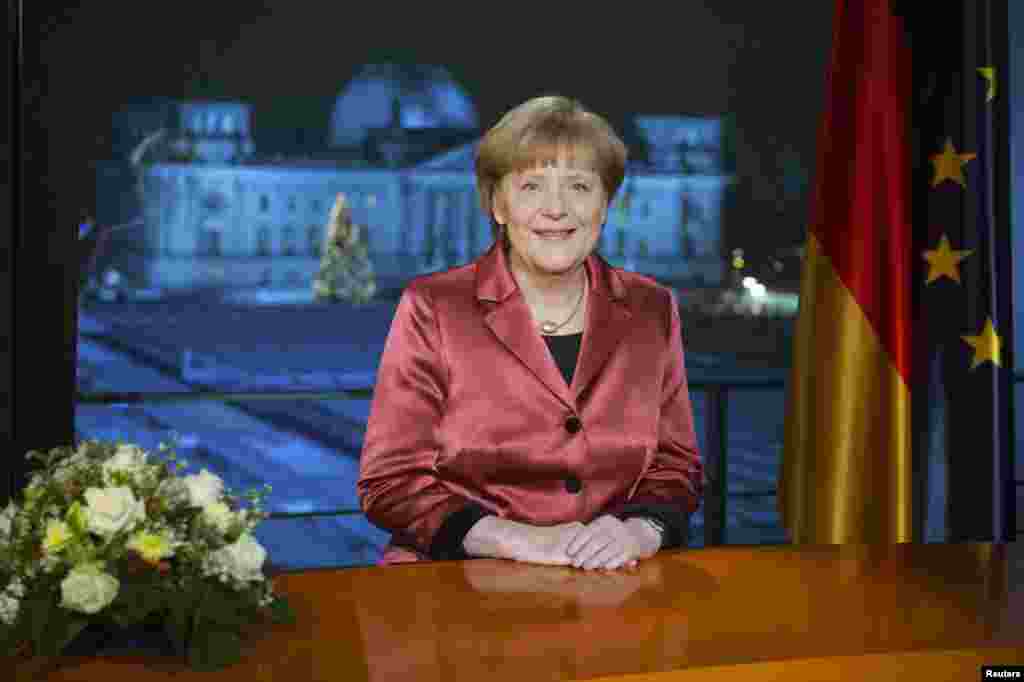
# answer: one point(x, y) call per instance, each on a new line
point(420, 96)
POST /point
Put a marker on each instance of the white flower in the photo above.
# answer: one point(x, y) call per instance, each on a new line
point(10, 601)
point(9, 607)
point(174, 491)
point(128, 459)
point(88, 589)
point(242, 559)
point(16, 588)
point(111, 510)
point(218, 515)
point(204, 488)
point(7, 519)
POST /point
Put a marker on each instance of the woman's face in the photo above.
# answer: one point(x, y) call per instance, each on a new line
point(553, 215)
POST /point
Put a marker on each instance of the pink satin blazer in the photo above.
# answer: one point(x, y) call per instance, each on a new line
point(469, 406)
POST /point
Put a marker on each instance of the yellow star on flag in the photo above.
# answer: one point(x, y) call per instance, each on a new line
point(944, 261)
point(949, 165)
point(989, 74)
point(986, 345)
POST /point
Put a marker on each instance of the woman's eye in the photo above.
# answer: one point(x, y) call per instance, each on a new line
point(581, 187)
point(530, 186)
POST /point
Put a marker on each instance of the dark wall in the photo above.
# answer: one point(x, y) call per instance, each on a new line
point(41, 311)
point(6, 205)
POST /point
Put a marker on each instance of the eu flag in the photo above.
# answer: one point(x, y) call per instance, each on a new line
point(963, 445)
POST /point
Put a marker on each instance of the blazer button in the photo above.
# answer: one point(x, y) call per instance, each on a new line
point(573, 485)
point(573, 424)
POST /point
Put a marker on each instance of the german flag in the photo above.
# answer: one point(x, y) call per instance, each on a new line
point(855, 466)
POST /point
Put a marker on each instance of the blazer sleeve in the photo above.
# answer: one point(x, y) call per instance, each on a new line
point(398, 486)
point(671, 488)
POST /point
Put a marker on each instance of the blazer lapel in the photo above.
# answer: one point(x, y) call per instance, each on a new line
point(608, 320)
point(512, 323)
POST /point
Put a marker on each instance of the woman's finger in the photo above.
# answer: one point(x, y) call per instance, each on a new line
point(616, 562)
point(585, 541)
point(582, 537)
point(607, 553)
point(588, 552)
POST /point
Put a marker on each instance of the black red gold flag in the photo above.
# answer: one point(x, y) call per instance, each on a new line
point(846, 470)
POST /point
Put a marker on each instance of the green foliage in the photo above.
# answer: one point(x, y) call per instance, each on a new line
point(178, 624)
point(9, 639)
point(281, 612)
point(214, 649)
point(221, 607)
point(50, 627)
point(136, 600)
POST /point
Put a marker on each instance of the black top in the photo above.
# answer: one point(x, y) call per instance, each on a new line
point(447, 543)
point(565, 350)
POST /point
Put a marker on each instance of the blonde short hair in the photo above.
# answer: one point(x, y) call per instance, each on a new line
point(534, 133)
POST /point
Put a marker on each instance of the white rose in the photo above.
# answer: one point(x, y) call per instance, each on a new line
point(218, 515)
point(111, 510)
point(9, 607)
point(204, 488)
point(242, 559)
point(10, 601)
point(7, 519)
point(16, 588)
point(128, 459)
point(88, 589)
point(174, 491)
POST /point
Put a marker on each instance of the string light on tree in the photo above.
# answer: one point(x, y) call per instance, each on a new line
point(737, 259)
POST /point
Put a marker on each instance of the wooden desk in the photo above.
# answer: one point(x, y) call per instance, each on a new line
point(817, 613)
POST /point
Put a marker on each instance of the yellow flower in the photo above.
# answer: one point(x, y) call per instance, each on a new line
point(58, 534)
point(151, 546)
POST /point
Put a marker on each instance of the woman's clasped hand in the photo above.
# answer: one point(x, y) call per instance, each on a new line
point(604, 543)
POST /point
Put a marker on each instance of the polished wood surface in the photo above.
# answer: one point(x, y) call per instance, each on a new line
point(814, 613)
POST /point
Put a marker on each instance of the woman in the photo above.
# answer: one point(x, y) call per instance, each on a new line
point(533, 404)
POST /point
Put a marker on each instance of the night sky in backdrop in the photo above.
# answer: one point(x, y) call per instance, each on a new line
point(763, 62)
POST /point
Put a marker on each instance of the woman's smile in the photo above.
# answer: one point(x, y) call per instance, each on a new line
point(555, 235)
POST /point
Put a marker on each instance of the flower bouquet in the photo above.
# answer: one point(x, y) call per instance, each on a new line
point(109, 535)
